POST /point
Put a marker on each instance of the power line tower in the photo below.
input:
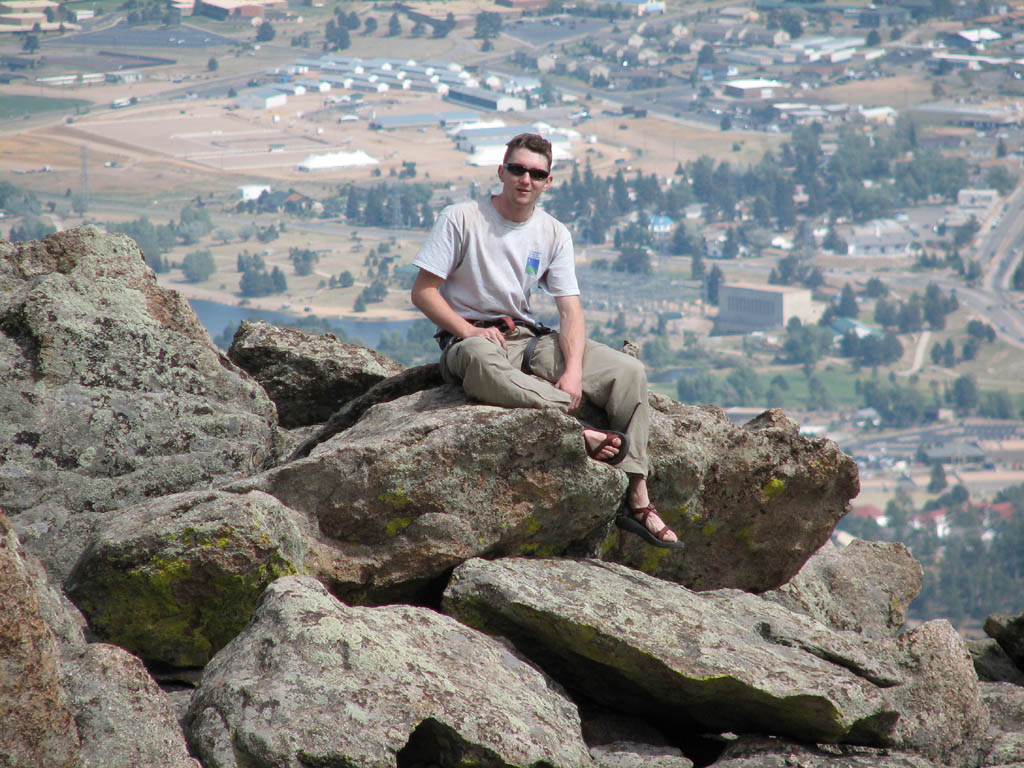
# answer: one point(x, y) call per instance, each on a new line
point(83, 190)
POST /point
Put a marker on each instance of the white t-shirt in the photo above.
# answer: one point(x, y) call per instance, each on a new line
point(491, 265)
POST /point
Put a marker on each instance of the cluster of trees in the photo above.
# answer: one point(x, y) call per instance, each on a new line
point(871, 350)
point(150, 12)
point(911, 315)
point(384, 205)
point(154, 240)
point(256, 279)
point(978, 333)
point(901, 405)
point(19, 202)
point(743, 387)
point(375, 292)
point(591, 203)
point(198, 266)
point(303, 260)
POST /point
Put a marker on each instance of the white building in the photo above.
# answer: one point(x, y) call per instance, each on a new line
point(261, 98)
point(332, 160)
point(252, 191)
point(743, 307)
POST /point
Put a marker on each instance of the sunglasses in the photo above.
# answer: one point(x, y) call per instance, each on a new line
point(537, 174)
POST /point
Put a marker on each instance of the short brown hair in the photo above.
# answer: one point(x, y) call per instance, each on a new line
point(532, 142)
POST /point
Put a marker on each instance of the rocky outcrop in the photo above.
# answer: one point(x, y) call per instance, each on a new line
point(425, 482)
point(865, 587)
point(727, 660)
point(308, 376)
point(67, 703)
point(1005, 705)
point(750, 504)
point(1008, 631)
point(111, 392)
point(724, 661)
point(312, 681)
point(173, 580)
point(143, 467)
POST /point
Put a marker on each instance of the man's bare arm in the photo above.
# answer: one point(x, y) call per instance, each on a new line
point(426, 297)
point(572, 336)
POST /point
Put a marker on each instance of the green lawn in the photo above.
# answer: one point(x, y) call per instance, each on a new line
point(14, 106)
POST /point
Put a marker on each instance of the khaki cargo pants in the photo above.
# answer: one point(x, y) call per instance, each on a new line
point(612, 381)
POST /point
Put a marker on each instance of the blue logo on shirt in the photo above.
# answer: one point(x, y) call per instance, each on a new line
point(533, 263)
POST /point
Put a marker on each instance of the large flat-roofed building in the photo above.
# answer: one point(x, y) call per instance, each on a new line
point(744, 307)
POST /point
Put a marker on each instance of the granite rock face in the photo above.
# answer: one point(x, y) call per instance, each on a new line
point(308, 376)
point(727, 660)
point(174, 579)
point(110, 392)
point(422, 483)
point(312, 681)
point(721, 660)
point(865, 587)
point(65, 702)
point(751, 504)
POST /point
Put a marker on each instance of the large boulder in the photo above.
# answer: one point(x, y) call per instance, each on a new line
point(308, 376)
point(424, 482)
point(942, 716)
point(992, 664)
point(1008, 631)
point(174, 579)
point(66, 702)
point(751, 504)
point(865, 586)
point(720, 661)
point(37, 724)
point(111, 392)
point(312, 681)
point(1005, 704)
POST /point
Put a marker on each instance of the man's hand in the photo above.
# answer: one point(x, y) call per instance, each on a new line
point(493, 333)
point(571, 382)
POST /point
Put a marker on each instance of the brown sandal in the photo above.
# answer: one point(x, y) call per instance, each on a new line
point(639, 527)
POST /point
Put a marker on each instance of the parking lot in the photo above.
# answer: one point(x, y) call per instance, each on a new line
point(124, 36)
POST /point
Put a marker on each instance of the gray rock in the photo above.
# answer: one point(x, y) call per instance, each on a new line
point(37, 724)
point(624, 754)
point(1008, 631)
point(865, 587)
point(67, 703)
point(725, 661)
point(174, 579)
point(1005, 704)
point(308, 376)
point(941, 713)
point(767, 752)
point(110, 392)
point(312, 681)
point(424, 482)
point(992, 664)
point(408, 382)
point(752, 504)
point(123, 717)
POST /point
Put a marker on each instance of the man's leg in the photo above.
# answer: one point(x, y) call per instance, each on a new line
point(612, 381)
point(492, 374)
point(616, 383)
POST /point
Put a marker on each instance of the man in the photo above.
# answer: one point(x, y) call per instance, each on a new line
point(478, 268)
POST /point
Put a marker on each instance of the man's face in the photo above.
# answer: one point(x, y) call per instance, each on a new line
point(522, 190)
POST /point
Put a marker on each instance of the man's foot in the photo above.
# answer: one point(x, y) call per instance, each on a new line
point(646, 523)
point(608, 446)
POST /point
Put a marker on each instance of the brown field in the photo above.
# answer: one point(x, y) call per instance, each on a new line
point(897, 92)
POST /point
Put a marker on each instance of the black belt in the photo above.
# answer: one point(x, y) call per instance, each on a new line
point(445, 338)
